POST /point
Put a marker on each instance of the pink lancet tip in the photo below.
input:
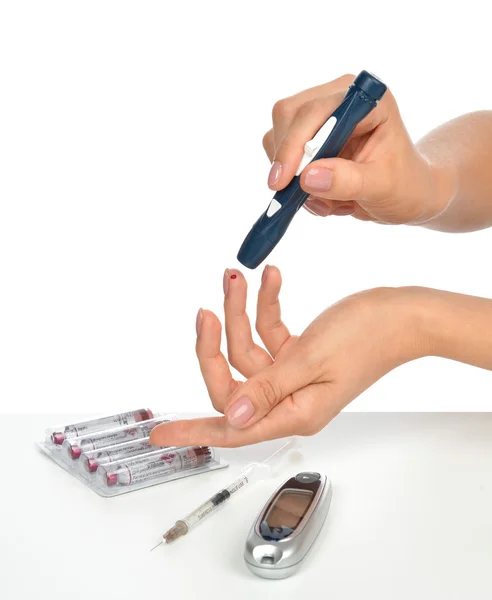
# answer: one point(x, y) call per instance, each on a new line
point(57, 438)
point(75, 452)
point(111, 478)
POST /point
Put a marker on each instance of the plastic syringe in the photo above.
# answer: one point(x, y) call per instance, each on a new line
point(251, 474)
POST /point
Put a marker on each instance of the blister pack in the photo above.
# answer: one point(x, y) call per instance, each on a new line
point(113, 455)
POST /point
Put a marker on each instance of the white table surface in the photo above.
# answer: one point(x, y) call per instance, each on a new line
point(411, 517)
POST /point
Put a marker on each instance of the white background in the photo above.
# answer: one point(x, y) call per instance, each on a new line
point(131, 168)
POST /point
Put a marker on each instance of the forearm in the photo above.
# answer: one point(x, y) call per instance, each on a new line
point(460, 155)
point(450, 325)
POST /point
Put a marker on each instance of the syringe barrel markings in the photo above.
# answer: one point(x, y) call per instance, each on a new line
point(215, 501)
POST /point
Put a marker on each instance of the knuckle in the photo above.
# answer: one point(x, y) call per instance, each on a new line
point(309, 423)
point(314, 106)
point(267, 141)
point(267, 393)
point(354, 184)
point(217, 405)
point(288, 145)
point(310, 429)
point(233, 359)
point(390, 101)
point(283, 109)
point(347, 78)
point(314, 420)
point(264, 327)
point(260, 327)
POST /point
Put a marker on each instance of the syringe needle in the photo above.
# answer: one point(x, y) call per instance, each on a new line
point(252, 473)
point(152, 549)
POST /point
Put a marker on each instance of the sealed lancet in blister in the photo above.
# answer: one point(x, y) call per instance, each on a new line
point(75, 447)
point(57, 435)
point(113, 455)
point(159, 464)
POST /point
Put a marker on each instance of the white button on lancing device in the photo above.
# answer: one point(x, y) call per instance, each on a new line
point(311, 148)
point(287, 526)
point(273, 207)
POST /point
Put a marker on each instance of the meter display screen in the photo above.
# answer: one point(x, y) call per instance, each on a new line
point(289, 509)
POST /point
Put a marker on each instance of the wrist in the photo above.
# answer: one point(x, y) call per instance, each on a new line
point(402, 317)
point(433, 322)
point(443, 323)
point(419, 309)
point(441, 188)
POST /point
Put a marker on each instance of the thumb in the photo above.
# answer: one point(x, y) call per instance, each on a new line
point(341, 179)
point(262, 392)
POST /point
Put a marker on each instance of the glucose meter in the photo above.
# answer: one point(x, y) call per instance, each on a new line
point(288, 525)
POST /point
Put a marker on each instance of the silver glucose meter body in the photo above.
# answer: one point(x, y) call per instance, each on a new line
point(288, 525)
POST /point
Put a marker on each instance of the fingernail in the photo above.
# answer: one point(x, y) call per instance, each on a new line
point(318, 179)
point(343, 211)
point(264, 275)
point(275, 173)
point(199, 319)
point(317, 206)
point(240, 412)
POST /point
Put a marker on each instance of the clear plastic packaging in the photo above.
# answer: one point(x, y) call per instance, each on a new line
point(161, 463)
point(113, 455)
point(92, 459)
point(75, 446)
point(57, 435)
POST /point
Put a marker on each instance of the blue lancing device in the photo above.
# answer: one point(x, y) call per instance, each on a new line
point(361, 98)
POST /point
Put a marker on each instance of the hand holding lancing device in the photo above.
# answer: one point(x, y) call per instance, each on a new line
point(381, 175)
point(299, 383)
